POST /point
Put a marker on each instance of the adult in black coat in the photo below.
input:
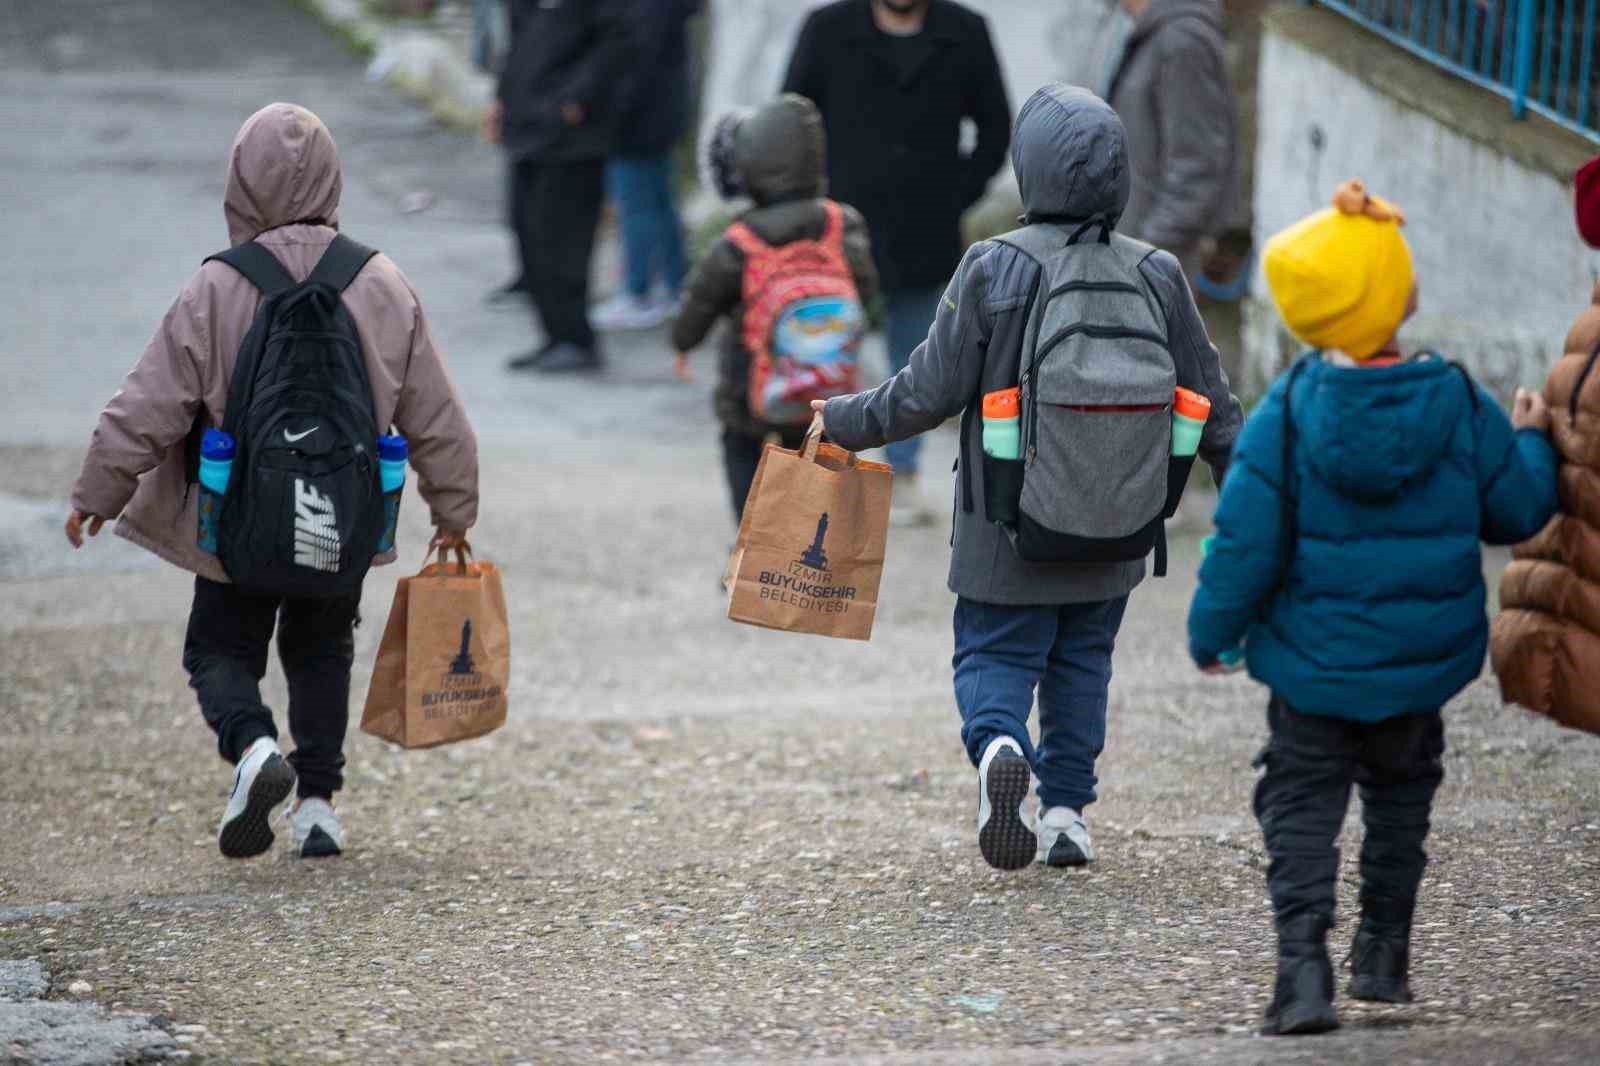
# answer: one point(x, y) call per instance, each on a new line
point(556, 112)
point(894, 79)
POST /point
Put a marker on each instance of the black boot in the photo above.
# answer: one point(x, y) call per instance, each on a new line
point(1302, 1002)
point(1380, 954)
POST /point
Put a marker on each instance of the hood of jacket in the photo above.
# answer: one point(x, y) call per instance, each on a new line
point(1161, 12)
point(283, 168)
point(1361, 432)
point(1070, 154)
point(780, 153)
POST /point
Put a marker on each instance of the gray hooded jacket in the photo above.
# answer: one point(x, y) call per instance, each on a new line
point(1070, 156)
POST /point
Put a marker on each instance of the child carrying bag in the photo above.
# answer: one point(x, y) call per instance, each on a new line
point(445, 659)
point(809, 554)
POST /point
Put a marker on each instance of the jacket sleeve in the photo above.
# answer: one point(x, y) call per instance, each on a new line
point(1196, 123)
point(941, 378)
point(1243, 568)
point(1198, 362)
point(1516, 476)
point(990, 110)
point(805, 74)
point(154, 410)
point(858, 251)
point(444, 449)
point(712, 291)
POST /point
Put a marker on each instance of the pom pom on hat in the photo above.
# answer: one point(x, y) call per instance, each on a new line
point(720, 164)
point(1586, 187)
point(1342, 277)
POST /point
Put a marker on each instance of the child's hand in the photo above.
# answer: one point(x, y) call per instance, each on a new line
point(681, 369)
point(75, 523)
point(1529, 411)
point(1215, 670)
point(817, 407)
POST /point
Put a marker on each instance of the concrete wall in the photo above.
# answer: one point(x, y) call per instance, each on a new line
point(1488, 200)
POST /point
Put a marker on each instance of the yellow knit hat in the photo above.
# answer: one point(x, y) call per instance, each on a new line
point(1342, 277)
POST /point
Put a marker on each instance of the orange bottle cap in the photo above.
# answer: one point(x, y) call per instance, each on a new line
point(1191, 405)
point(1007, 403)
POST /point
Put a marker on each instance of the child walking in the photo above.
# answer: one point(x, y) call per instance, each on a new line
point(775, 156)
point(1347, 563)
point(282, 208)
point(1128, 335)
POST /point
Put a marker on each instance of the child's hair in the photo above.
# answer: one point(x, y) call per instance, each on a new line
point(719, 166)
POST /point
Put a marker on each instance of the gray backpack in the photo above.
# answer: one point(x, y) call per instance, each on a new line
point(1096, 480)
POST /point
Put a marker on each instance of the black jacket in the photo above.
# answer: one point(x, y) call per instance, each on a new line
point(655, 107)
point(566, 51)
point(894, 127)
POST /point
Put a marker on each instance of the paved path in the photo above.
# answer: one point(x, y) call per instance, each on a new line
point(693, 840)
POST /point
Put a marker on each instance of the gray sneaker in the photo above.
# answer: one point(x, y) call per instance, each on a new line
point(262, 781)
point(1004, 836)
point(1063, 838)
point(317, 831)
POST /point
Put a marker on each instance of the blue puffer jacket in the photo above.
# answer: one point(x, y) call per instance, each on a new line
point(1396, 474)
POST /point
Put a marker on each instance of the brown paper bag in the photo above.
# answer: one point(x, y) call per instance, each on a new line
point(810, 549)
point(445, 659)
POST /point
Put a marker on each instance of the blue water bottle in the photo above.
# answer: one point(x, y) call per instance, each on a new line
point(216, 463)
point(392, 453)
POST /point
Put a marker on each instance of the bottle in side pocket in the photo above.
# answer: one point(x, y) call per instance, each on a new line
point(1002, 424)
point(393, 451)
point(217, 450)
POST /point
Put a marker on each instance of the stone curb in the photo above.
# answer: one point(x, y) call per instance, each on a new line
point(417, 61)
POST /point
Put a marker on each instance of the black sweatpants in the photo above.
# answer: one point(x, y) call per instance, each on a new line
point(556, 211)
point(741, 454)
point(1311, 762)
point(226, 656)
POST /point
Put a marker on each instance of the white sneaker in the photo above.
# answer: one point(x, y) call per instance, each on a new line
point(261, 782)
point(1063, 838)
point(1004, 836)
point(316, 829)
point(623, 312)
point(906, 509)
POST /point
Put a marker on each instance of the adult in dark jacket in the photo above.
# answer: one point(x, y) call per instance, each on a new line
point(776, 158)
point(894, 79)
point(556, 113)
point(655, 114)
point(1022, 626)
point(1170, 88)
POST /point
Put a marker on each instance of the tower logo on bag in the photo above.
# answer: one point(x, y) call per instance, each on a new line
point(462, 663)
point(316, 530)
point(814, 556)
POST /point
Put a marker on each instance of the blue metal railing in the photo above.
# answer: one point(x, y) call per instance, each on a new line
point(1539, 54)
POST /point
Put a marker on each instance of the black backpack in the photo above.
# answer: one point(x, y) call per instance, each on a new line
point(303, 512)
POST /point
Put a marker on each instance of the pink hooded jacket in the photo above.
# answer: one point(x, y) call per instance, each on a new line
point(283, 192)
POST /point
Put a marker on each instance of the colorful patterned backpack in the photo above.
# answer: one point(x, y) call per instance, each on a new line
point(803, 320)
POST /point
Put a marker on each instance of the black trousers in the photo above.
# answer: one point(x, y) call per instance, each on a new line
point(1310, 763)
point(741, 454)
point(226, 656)
point(556, 208)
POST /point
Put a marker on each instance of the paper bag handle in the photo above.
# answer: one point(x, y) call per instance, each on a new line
point(462, 553)
point(808, 448)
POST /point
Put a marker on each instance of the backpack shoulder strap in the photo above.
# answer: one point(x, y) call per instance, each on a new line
point(258, 265)
point(745, 239)
point(341, 263)
point(833, 226)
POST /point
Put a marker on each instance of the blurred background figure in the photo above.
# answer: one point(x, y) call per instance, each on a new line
point(556, 113)
point(894, 80)
point(639, 176)
point(1168, 81)
point(488, 34)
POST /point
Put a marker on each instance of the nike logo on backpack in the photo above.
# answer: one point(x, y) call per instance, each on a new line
point(316, 536)
point(294, 437)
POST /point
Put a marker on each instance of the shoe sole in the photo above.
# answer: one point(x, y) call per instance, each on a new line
point(1380, 990)
point(1306, 1022)
point(250, 833)
point(1005, 840)
point(319, 845)
point(1063, 854)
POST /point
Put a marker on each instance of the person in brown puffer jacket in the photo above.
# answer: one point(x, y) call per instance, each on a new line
point(1545, 643)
